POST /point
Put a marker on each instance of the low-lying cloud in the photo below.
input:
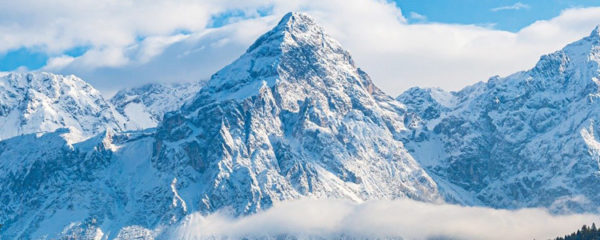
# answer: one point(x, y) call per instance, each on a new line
point(405, 219)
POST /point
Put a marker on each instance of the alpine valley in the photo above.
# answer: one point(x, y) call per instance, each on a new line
point(293, 117)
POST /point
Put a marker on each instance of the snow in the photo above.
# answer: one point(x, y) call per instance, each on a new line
point(44, 102)
point(55, 224)
point(176, 198)
point(137, 114)
point(144, 107)
point(444, 98)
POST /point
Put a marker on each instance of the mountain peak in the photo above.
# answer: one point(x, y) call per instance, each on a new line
point(292, 27)
point(297, 46)
point(292, 111)
point(293, 19)
point(596, 32)
point(573, 58)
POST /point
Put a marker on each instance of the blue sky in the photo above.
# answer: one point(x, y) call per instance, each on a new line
point(32, 58)
point(505, 15)
point(117, 44)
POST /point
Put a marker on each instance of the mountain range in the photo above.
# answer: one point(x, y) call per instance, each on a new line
point(293, 117)
point(526, 140)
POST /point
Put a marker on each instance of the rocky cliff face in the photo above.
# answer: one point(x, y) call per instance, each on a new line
point(527, 140)
point(53, 189)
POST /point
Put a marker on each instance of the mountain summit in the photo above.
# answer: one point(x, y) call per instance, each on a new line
point(292, 117)
point(295, 51)
point(596, 32)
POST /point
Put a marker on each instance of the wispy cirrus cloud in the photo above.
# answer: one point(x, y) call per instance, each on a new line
point(516, 6)
point(416, 16)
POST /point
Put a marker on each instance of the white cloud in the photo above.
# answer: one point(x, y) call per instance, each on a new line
point(400, 218)
point(189, 57)
point(417, 16)
point(57, 63)
point(59, 25)
point(516, 6)
point(399, 55)
point(178, 46)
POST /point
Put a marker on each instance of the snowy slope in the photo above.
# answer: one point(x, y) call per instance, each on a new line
point(145, 106)
point(44, 102)
point(527, 140)
point(292, 117)
point(93, 188)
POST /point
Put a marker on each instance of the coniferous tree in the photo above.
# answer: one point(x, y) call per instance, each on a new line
point(585, 233)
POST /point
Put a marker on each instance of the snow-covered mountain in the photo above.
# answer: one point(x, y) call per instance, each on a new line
point(293, 117)
point(44, 102)
point(526, 140)
point(40, 102)
point(145, 106)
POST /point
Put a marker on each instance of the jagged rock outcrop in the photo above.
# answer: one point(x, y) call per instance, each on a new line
point(526, 140)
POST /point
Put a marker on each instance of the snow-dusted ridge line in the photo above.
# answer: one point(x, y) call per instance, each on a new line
point(43, 102)
point(525, 140)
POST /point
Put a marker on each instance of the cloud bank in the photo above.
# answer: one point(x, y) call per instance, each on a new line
point(133, 42)
point(409, 219)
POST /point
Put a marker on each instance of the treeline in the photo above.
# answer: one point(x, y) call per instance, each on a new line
point(585, 233)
